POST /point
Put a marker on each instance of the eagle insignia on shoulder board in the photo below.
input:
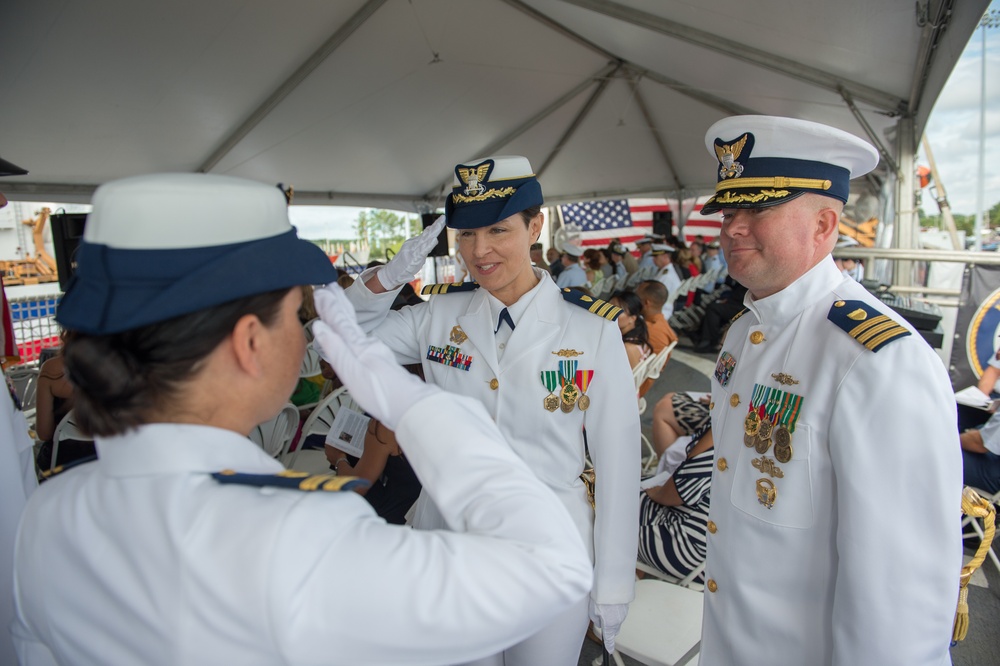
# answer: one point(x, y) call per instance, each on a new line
point(865, 324)
point(591, 304)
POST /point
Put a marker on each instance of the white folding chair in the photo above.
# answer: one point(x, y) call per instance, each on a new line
point(25, 382)
point(66, 429)
point(663, 625)
point(276, 434)
point(977, 529)
point(320, 420)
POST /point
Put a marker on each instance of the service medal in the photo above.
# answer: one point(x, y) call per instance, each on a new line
point(570, 394)
point(762, 444)
point(583, 378)
point(550, 380)
point(751, 424)
point(782, 444)
point(749, 440)
point(764, 430)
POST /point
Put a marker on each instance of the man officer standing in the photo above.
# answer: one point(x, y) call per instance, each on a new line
point(834, 532)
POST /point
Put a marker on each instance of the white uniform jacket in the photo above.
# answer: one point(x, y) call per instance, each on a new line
point(144, 558)
point(550, 442)
point(856, 562)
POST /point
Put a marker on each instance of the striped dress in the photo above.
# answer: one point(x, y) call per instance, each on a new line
point(672, 538)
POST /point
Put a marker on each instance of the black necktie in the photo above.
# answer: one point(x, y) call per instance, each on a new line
point(504, 317)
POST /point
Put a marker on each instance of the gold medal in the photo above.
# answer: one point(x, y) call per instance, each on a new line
point(749, 441)
point(570, 394)
point(783, 453)
point(583, 403)
point(583, 379)
point(762, 445)
point(551, 402)
point(764, 431)
point(751, 424)
point(782, 444)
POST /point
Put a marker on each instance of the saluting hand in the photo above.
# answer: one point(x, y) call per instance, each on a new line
point(410, 258)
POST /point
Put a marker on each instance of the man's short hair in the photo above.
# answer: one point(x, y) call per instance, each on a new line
point(654, 291)
point(536, 246)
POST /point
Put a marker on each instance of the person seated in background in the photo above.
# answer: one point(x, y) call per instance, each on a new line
point(981, 456)
point(593, 262)
point(677, 414)
point(572, 274)
point(53, 401)
point(711, 261)
point(718, 314)
point(554, 258)
point(394, 486)
point(618, 255)
point(666, 272)
point(632, 326)
point(653, 295)
point(689, 268)
point(537, 257)
point(673, 517)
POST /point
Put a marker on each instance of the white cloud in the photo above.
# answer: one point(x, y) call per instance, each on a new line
point(321, 222)
point(953, 129)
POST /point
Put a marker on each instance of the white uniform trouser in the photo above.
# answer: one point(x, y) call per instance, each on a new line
point(557, 644)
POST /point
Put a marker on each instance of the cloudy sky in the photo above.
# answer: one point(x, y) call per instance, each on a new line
point(953, 128)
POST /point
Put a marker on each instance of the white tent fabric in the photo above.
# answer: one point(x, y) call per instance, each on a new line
point(373, 102)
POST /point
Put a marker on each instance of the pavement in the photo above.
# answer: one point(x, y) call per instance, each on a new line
point(690, 371)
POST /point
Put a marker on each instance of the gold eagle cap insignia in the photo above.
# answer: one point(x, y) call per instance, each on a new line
point(728, 154)
point(473, 177)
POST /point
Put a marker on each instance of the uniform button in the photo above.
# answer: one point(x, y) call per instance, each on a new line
point(711, 405)
point(494, 384)
point(712, 586)
point(503, 345)
point(722, 464)
point(711, 527)
point(735, 400)
point(757, 337)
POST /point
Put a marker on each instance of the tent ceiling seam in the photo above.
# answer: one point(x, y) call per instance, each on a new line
point(341, 35)
point(744, 53)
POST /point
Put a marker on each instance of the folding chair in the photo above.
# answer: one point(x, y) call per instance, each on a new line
point(275, 435)
point(320, 420)
point(663, 625)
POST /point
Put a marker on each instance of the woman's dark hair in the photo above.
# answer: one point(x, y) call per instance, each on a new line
point(529, 213)
point(632, 304)
point(121, 379)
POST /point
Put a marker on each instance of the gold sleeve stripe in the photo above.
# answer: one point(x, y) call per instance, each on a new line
point(891, 334)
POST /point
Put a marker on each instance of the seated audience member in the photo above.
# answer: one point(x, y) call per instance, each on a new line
point(632, 326)
point(981, 455)
point(666, 272)
point(394, 486)
point(689, 268)
point(673, 517)
point(653, 295)
point(677, 414)
point(555, 262)
point(592, 264)
point(617, 254)
point(607, 266)
point(718, 314)
point(537, 258)
point(53, 401)
point(711, 261)
point(572, 274)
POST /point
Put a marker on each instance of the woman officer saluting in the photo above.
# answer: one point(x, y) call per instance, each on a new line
point(166, 551)
point(549, 365)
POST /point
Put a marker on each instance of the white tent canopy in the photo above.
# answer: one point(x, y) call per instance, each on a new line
point(373, 102)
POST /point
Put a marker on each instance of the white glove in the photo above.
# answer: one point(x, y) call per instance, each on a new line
point(608, 618)
point(411, 256)
point(365, 365)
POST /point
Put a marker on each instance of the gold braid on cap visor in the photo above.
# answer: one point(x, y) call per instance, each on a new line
point(777, 181)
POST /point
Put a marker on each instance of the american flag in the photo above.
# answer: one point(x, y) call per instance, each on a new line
point(628, 220)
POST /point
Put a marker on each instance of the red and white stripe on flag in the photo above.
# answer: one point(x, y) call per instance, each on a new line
point(628, 220)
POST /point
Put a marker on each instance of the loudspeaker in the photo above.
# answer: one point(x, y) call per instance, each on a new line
point(67, 232)
point(663, 222)
point(441, 249)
